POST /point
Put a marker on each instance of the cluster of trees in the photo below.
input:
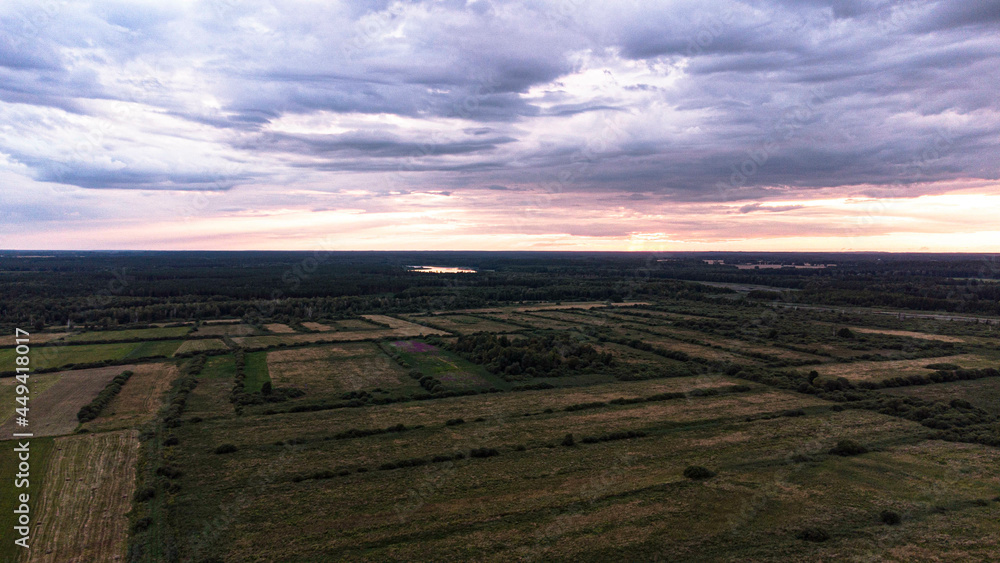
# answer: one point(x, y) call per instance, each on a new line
point(544, 355)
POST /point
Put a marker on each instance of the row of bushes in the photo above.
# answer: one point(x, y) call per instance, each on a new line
point(182, 387)
point(91, 410)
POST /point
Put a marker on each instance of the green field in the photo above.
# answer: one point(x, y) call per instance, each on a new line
point(59, 355)
point(452, 371)
point(256, 371)
point(135, 334)
point(40, 450)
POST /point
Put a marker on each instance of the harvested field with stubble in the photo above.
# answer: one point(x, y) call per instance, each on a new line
point(89, 484)
point(317, 326)
point(53, 412)
point(335, 369)
point(139, 399)
point(279, 328)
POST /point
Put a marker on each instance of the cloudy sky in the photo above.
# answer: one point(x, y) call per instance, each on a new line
point(570, 124)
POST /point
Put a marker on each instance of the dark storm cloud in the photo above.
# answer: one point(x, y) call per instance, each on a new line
point(692, 100)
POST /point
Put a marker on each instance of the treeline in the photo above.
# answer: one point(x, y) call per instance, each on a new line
point(93, 409)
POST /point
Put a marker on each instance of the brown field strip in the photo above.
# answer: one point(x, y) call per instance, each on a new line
point(139, 398)
point(908, 333)
point(33, 338)
point(201, 345)
point(37, 385)
point(279, 328)
point(89, 483)
point(224, 330)
point(404, 330)
point(874, 371)
point(317, 326)
point(53, 412)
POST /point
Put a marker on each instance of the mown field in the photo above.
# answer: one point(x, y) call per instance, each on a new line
point(563, 432)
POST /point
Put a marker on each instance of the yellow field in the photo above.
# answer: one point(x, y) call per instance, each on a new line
point(911, 334)
point(138, 400)
point(876, 371)
point(89, 483)
point(200, 345)
point(317, 326)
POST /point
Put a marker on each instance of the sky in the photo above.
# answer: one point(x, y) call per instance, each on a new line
point(487, 125)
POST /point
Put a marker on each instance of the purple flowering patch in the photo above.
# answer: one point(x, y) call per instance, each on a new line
point(413, 346)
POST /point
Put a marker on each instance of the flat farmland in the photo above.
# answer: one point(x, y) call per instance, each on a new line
point(317, 326)
point(134, 334)
point(324, 370)
point(880, 370)
point(201, 345)
point(34, 338)
point(256, 370)
point(982, 393)
point(56, 355)
point(355, 324)
point(41, 449)
point(467, 324)
point(545, 503)
point(228, 329)
point(454, 372)
point(138, 400)
point(210, 398)
point(53, 412)
point(532, 320)
point(403, 329)
point(89, 484)
point(37, 384)
point(279, 328)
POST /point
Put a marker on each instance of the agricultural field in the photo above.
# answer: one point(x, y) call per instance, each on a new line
point(334, 369)
point(90, 480)
point(881, 370)
point(127, 335)
point(527, 414)
point(201, 345)
point(224, 329)
point(56, 355)
point(466, 324)
point(139, 399)
point(53, 411)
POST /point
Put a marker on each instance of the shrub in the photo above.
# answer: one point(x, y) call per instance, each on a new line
point(266, 388)
point(568, 440)
point(794, 412)
point(171, 440)
point(848, 448)
point(225, 449)
point(698, 472)
point(891, 518)
point(943, 366)
point(520, 448)
point(144, 494)
point(454, 422)
point(142, 524)
point(483, 452)
point(813, 534)
point(168, 471)
point(845, 333)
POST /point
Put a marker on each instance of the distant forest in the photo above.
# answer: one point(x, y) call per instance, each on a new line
point(108, 289)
